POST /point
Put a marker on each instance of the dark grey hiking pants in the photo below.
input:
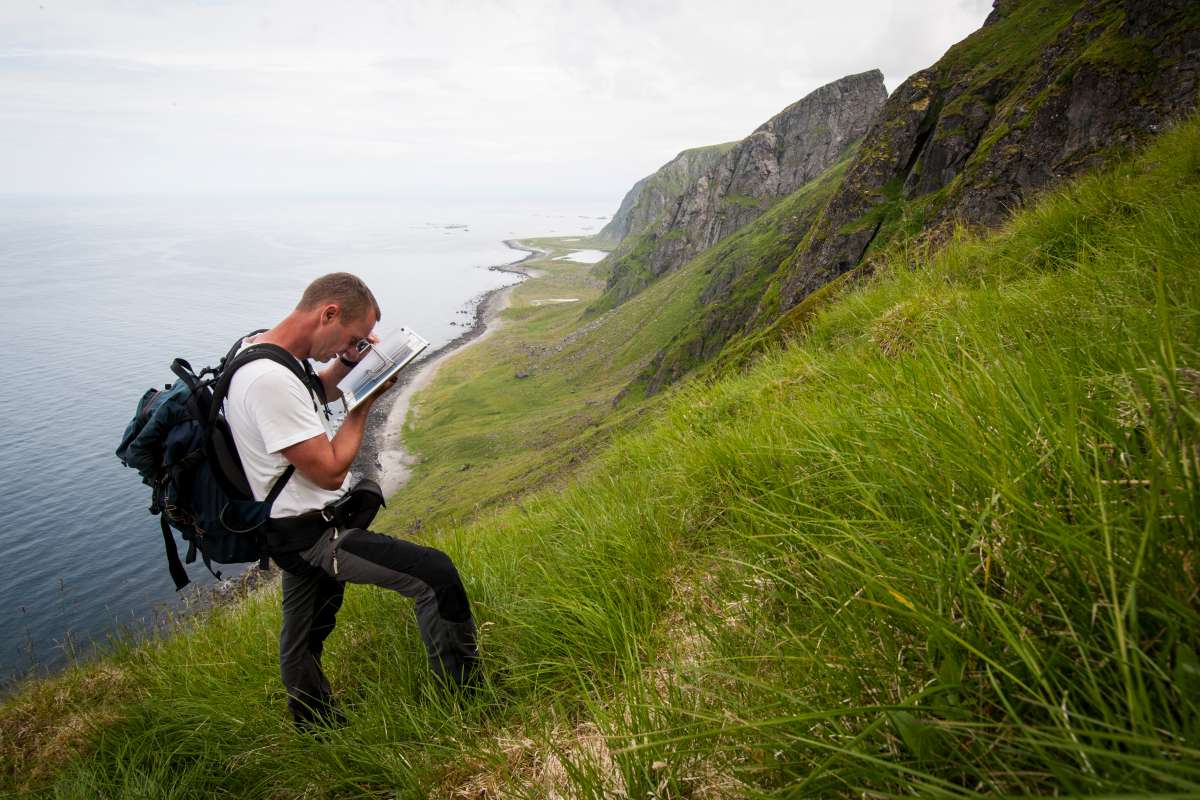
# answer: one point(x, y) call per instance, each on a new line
point(313, 582)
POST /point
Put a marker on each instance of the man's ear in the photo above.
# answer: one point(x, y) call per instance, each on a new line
point(330, 312)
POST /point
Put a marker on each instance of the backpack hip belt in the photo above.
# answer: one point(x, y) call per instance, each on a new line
point(355, 509)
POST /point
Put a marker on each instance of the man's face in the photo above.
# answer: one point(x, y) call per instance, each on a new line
point(337, 335)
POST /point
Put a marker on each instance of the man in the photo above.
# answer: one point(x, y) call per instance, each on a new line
point(276, 423)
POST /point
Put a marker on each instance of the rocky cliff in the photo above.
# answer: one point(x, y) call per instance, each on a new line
point(779, 157)
point(655, 194)
point(618, 227)
point(1044, 90)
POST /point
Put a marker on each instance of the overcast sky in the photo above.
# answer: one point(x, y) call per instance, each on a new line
point(439, 98)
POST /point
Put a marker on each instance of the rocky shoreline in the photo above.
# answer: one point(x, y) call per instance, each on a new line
point(369, 463)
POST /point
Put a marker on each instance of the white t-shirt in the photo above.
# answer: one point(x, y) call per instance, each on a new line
point(269, 409)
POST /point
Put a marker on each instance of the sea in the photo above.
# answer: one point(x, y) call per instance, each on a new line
point(103, 292)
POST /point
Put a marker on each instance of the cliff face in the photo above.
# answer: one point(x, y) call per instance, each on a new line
point(618, 227)
point(775, 160)
point(736, 271)
point(1044, 90)
point(655, 194)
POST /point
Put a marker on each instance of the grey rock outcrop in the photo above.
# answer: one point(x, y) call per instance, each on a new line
point(991, 124)
point(659, 192)
point(618, 227)
point(779, 157)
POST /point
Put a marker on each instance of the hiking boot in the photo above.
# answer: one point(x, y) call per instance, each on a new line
point(319, 721)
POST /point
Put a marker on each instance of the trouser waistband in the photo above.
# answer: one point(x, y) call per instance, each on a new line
point(355, 509)
point(293, 534)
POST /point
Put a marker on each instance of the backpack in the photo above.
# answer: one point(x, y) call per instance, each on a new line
point(181, 444)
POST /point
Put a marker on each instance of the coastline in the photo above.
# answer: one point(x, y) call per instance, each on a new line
point(382, 457)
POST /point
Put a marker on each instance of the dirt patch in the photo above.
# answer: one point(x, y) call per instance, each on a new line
point(543, 769)
point(57, 720)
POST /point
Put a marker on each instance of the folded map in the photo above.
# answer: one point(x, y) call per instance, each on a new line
point(376, 366)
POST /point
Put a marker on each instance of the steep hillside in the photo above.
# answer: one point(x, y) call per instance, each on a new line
point(1044, 89)
point(937, 538)
point(942, 545)
point(657, 194)
point(779, 157)
point(529, 405)
point(732, 277)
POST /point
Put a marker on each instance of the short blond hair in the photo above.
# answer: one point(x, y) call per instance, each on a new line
point(348, 291)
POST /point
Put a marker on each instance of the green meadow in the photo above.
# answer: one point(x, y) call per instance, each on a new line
point(938, 539)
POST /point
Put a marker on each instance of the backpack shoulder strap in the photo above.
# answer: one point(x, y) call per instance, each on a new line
point(221, 448)
point(233, 351)
point(314, 383)
point(272, 352)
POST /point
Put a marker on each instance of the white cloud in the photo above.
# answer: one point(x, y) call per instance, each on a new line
point(578, 98)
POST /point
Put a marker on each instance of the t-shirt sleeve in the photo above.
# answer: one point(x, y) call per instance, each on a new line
point(282, 410)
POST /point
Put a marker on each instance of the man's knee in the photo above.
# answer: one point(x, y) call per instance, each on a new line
point(428, 565)
point(447, 586)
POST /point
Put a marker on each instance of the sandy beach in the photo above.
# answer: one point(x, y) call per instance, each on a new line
point(383, 457)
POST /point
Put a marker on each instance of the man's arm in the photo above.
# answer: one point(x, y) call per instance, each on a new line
point(330, 376)
point(326, 461)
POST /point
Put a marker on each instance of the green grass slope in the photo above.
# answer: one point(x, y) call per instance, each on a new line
point(486, 436)
point(944, 545)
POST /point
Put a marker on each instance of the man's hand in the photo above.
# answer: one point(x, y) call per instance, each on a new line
point(326, 461)
point(354, 354)
point(340, 366)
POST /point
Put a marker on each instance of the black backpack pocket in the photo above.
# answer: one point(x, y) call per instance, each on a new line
point(230, 531)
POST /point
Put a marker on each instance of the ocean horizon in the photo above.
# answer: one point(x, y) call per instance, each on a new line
point(110, 290)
